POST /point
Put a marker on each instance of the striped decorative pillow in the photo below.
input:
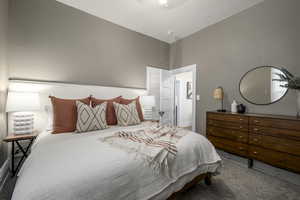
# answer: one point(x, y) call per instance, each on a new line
point(91, 119)
point(127, 114)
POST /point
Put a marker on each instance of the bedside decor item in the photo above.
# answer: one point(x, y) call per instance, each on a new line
point(234, 107)
point(241, 108)
point(259, 86)
point(219, 95)
point(148, 103)
point(21, 105)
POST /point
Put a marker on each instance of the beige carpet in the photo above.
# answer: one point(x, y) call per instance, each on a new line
point(236, 182)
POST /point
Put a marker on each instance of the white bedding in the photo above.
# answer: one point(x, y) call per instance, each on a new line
point(81, 167)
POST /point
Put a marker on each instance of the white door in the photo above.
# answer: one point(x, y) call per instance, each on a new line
point(153, 88)
point(167, 96)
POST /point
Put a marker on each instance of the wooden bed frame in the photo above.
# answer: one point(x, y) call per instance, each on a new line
point(207, 180)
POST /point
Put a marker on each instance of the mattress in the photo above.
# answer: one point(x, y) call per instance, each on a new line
point(73, 166)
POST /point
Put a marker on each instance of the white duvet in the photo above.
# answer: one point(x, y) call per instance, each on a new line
point(81, 167)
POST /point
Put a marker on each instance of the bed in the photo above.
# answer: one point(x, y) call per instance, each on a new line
point(81, 166)
point(72, 166)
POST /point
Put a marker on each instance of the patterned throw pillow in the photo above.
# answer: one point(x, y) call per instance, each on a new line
point(90, 119)
point(127, 114)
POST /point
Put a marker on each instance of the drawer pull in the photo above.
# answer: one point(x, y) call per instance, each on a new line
point(240, 136)
point(241, 127)
point(241, 148)
point(256, 121)
point(255, 129)
point(241, 119)
point(255, 140)
point(255, 152)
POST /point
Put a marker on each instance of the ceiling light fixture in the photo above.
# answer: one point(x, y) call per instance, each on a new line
point(163, 3)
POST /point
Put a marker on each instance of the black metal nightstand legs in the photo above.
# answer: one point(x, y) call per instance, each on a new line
point(24, 155)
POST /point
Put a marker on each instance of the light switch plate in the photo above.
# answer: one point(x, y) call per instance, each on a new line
point(198, 97)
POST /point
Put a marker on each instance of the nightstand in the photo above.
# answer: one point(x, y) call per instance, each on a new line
point(15, 139)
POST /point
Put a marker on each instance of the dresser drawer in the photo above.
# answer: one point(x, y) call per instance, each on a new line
point(230, 146)
point(278, 159)
point(228, 118)
point(230, 125)
point(230, 134)
point(276, 132)
point(275, 123)
point(256, 139)
point(278, 144)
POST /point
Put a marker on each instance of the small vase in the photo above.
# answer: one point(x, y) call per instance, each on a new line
point(298, 103)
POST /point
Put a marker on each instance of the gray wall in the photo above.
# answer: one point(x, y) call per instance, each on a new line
point(52, 41)
point(267, 34)
point(3, 76)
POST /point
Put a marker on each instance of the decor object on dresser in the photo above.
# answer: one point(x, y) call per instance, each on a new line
point(15, 139)
point(241, 108)
point(219, 95)
point(21, 105)
point(298, 103)
point(234, 107)
point(291, 82)
point(259, 86)
point(273, 139)
point(148, 103)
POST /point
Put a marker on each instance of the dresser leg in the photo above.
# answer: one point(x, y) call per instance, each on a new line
point(250, 163)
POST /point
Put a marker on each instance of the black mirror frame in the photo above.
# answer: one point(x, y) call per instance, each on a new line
point(279, 68)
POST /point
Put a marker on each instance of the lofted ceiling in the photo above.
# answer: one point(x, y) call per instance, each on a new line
point(167, 22)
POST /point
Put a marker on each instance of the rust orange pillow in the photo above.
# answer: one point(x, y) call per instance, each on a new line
point(65, 114)
point(138, 106)
point(111, 118)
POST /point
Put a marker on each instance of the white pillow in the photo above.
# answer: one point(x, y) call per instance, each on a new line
point(89, 118)
point(127, 114)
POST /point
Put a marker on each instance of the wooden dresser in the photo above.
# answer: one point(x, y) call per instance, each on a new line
point(272, 139)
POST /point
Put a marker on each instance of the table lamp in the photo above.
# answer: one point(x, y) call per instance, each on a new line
point(21, 105)
point(219, 95)
point(148, 102)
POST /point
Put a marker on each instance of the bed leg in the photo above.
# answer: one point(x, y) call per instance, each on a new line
point(207, 179)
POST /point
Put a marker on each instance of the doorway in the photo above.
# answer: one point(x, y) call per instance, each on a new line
point(175, 94)
point(183, 100)
point(185, 96)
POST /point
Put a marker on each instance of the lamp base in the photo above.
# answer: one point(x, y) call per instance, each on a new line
point(23, 123)
point(221, 110)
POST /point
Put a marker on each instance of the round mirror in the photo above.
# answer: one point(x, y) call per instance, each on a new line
point(261, 85)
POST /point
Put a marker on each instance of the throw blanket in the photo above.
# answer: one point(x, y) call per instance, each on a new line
point(156, 146)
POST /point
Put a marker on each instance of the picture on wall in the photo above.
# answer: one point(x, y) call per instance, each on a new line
point(189, 92)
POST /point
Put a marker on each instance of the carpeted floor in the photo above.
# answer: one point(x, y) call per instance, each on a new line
point(236, 182)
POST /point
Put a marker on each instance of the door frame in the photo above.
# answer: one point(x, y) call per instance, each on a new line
point(193, 69)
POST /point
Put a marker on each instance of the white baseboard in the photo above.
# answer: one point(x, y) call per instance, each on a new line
point(4, 173)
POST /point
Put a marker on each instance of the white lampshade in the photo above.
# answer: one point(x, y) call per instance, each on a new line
point(22, 101)
point(148, 101)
